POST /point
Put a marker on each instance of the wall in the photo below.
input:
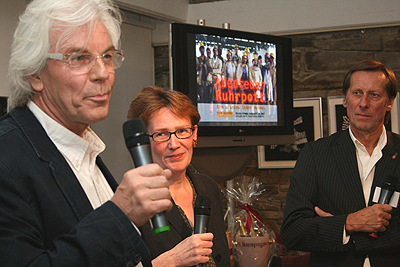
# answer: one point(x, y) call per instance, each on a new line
point(171, 10)
point(9, 12)
point(290, 16)
point(320, 62)
point(273, 16)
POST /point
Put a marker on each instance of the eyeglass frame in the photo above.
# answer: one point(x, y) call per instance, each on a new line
point(66, 58)
point(171, 133)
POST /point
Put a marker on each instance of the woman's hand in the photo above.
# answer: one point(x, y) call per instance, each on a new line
point(191, 251)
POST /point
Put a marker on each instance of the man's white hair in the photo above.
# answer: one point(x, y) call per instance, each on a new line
point(32, 38)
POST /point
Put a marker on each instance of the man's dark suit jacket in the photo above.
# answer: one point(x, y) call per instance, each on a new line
point(163, 242)
point(326, 175)
point(45, 217)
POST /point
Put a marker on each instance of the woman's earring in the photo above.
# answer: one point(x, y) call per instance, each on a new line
point(194, 143)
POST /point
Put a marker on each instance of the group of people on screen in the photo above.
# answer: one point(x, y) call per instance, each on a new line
point(247, 72)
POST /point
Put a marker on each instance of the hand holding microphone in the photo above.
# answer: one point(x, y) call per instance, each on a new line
point(202, 212)
point(143, 192)
point(138, 143)
point(374, 218)
point(189, 252)
point(197, 247)
point(387, 190)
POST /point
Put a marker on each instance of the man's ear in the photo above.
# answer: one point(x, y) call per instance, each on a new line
point(344, 102)
point(390, 105)
point(36, 82)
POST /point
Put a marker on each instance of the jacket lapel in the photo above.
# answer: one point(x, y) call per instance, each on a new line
point(70, 187)
point(387, 165)
point(174, 217)
point(107, 174)
point(344, 154)
point(200, 187)
point(48, 152)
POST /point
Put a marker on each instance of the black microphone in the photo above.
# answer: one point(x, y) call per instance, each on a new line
point(138, 143)
point(202, 212)
point(388, 187)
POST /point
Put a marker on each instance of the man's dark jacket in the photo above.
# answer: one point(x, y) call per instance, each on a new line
point(45, 217)
point(326, 175)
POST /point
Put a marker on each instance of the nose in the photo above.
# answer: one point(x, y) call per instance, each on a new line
point(173, 142)
point(99, 70)
point(364, 101)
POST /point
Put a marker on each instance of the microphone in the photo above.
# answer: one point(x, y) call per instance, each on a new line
point(138, 143)
point(388, 187)
point(202, 212)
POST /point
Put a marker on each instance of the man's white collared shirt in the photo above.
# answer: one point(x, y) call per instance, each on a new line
point(366, 166)
point(80, 153)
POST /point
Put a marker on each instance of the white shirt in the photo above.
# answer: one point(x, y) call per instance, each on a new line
point(230, 70)
point(366, 167)
point(80, 153)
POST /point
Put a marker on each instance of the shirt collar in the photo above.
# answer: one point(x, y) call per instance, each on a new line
point(72, 146)
point(381, 142)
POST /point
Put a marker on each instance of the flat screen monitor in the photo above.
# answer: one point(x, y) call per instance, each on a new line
point(240, 82)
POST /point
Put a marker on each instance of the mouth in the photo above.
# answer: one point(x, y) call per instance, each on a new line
point(175, 156)
point(99, 97)
point(363, 115)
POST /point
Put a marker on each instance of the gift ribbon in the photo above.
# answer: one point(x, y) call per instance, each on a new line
point(249, 208)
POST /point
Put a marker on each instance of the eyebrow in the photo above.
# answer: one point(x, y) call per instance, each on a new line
point(177, 128)
point(80, 50)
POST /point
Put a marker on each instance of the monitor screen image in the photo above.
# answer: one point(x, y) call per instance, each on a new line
point(236, 85)
point(240, 82)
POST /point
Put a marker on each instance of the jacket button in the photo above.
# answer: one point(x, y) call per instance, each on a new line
point(138, 258)
point(218, 257)
point(129, 264)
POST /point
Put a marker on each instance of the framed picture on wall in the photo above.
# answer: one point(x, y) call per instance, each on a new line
point(337, 115)
point(338, 120)
point(307, 118)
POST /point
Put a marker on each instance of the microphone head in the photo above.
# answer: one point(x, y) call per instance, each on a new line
point(390, 183)
point(135, 133)
point(202, 205)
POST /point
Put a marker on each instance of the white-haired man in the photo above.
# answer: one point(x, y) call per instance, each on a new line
point(60, 206)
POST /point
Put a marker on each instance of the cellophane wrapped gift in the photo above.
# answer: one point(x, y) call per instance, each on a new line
point(253, 241)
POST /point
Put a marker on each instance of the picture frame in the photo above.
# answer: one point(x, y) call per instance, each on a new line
point(3, 105)
point(337, 115)
point(336, 110)
point(394, 114)
point(308, 126)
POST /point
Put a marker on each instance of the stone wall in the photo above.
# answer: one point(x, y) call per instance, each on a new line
point(320, 61)
point(203, 1)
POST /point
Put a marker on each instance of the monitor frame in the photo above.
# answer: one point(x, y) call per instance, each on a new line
point(184, 80)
